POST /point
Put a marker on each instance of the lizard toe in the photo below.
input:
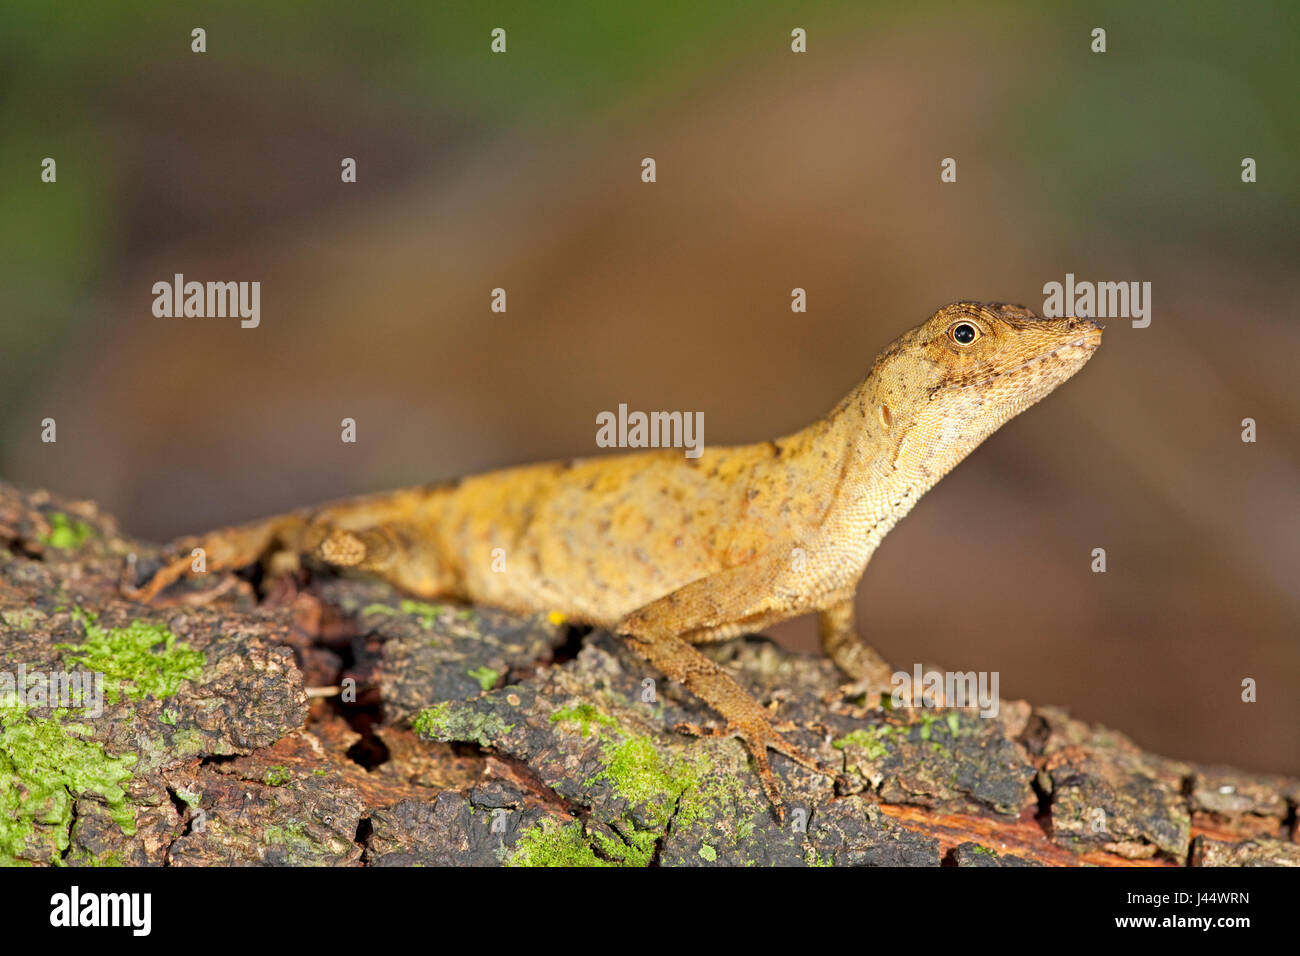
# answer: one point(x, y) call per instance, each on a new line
point(699, 730)
point(797, 754)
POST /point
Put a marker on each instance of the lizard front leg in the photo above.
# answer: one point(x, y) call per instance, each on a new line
point(836, 625)
point(660, 633)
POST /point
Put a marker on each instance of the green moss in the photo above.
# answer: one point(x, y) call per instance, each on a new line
point(928, 721)
point(47, 765)
point(872, 741)
point(168, 718)
point(427, 613)
point(445, 722)
point(80, 857)
point(276, 776)
point(685, 789)
point(636, 849)
point(646, 778)
point(718, 796)
point(659, 785)
point(549, 844)
point(65, 532)
point(812, 859)
point(486, 677)
point(584, 715)
point(139, 660)
point(293, 838)
point(708, 853)
point(113, 859)
point(985, 851)
point(951, 720)
point(433, 721)
point(186, 743)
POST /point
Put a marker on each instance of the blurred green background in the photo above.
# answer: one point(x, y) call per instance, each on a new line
point(775, 170)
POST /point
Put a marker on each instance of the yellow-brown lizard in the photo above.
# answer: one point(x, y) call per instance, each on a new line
point(671, 551)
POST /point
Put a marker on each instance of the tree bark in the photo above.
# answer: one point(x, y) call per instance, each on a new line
point(467, 736)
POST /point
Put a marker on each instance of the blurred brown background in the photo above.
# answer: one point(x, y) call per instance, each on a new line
point(775, 170)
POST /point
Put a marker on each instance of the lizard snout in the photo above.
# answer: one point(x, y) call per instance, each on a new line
point(1088, 330)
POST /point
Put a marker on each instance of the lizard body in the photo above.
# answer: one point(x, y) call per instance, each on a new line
point(670, 551)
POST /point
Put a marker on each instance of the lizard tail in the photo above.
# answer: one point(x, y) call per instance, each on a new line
point(391, 534)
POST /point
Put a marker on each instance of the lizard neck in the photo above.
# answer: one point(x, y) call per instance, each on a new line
point(886, 466)
point(895, 439)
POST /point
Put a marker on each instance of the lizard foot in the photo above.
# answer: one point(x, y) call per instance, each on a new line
point(366, 548)
point(173, 570)
point(869, 688)
point(758, 736)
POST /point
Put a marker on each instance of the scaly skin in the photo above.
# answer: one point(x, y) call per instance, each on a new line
point(671, 551)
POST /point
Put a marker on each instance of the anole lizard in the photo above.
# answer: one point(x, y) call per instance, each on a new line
point(671, 552)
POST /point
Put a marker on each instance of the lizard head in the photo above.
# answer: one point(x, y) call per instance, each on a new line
point(972, 367)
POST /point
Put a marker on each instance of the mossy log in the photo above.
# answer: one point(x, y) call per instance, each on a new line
point(467, 736)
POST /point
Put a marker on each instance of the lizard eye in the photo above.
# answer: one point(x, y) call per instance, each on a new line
point(963, 333)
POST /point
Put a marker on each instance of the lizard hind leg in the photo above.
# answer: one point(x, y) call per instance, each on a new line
point(379, 538)
point(370, 549)
point(222, 550)
point(400, 552)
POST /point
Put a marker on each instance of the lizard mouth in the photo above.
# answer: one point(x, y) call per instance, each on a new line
point(1089, 343)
